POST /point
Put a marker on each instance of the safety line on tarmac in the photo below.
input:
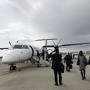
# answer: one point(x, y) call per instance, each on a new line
point(7, 72)
point(11, 71)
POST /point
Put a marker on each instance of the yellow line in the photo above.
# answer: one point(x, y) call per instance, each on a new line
point(10, 71)
point(4, 73)
point(7, 72)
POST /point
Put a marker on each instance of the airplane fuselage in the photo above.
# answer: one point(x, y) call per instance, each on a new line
point(19, 53)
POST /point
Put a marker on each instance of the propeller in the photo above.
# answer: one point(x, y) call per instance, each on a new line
point(59, 41)
point(54, 43)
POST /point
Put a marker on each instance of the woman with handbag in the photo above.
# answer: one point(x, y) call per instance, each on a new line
point(89, 61)
point(82, 62)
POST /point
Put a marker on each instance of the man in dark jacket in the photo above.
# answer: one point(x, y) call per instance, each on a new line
point(56, 66)
point(68, 61)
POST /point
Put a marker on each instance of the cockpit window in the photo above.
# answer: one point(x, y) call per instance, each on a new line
point(25, 46)
point(17, 47)
point(20, 47)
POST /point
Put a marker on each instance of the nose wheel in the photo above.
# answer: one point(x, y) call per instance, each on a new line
point(12, 67)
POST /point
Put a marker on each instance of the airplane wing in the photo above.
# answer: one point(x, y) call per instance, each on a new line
point(73, 44)
point(48, 46)
point(3, 48)
point(46, 39)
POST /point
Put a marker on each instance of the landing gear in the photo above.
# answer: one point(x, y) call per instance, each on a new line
point(12, 67)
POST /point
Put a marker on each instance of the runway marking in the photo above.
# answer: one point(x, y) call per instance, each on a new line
point(11, 71)
point(17, 70)
point(7, 72)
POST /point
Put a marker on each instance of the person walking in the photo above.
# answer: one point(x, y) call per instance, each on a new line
point(89, 61)
point(57, 67)
point(82, 62)
point(68, 61)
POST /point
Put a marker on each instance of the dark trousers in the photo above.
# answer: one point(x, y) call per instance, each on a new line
point(57, 74)
point(83, 72)
point(67, 66)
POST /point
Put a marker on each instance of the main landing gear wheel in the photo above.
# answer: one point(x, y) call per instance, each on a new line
point(12, 67)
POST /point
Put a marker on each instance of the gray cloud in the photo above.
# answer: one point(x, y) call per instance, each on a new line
point(71, 20)
point(67, 19)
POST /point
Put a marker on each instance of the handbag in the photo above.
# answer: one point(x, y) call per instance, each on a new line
point(78, 61)
point(62, 68)
point(71, 62)
point(89, 62)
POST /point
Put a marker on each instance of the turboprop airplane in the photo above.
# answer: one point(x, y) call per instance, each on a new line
point(21, 53)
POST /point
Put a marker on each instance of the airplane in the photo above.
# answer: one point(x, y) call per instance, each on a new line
point(21, 52)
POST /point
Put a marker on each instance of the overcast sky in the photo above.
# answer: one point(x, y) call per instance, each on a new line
point(36, 19)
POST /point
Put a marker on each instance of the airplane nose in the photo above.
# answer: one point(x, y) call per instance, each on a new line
point(9, 59)
point(6, 60)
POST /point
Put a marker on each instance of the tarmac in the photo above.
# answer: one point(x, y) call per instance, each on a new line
point(42, 78)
